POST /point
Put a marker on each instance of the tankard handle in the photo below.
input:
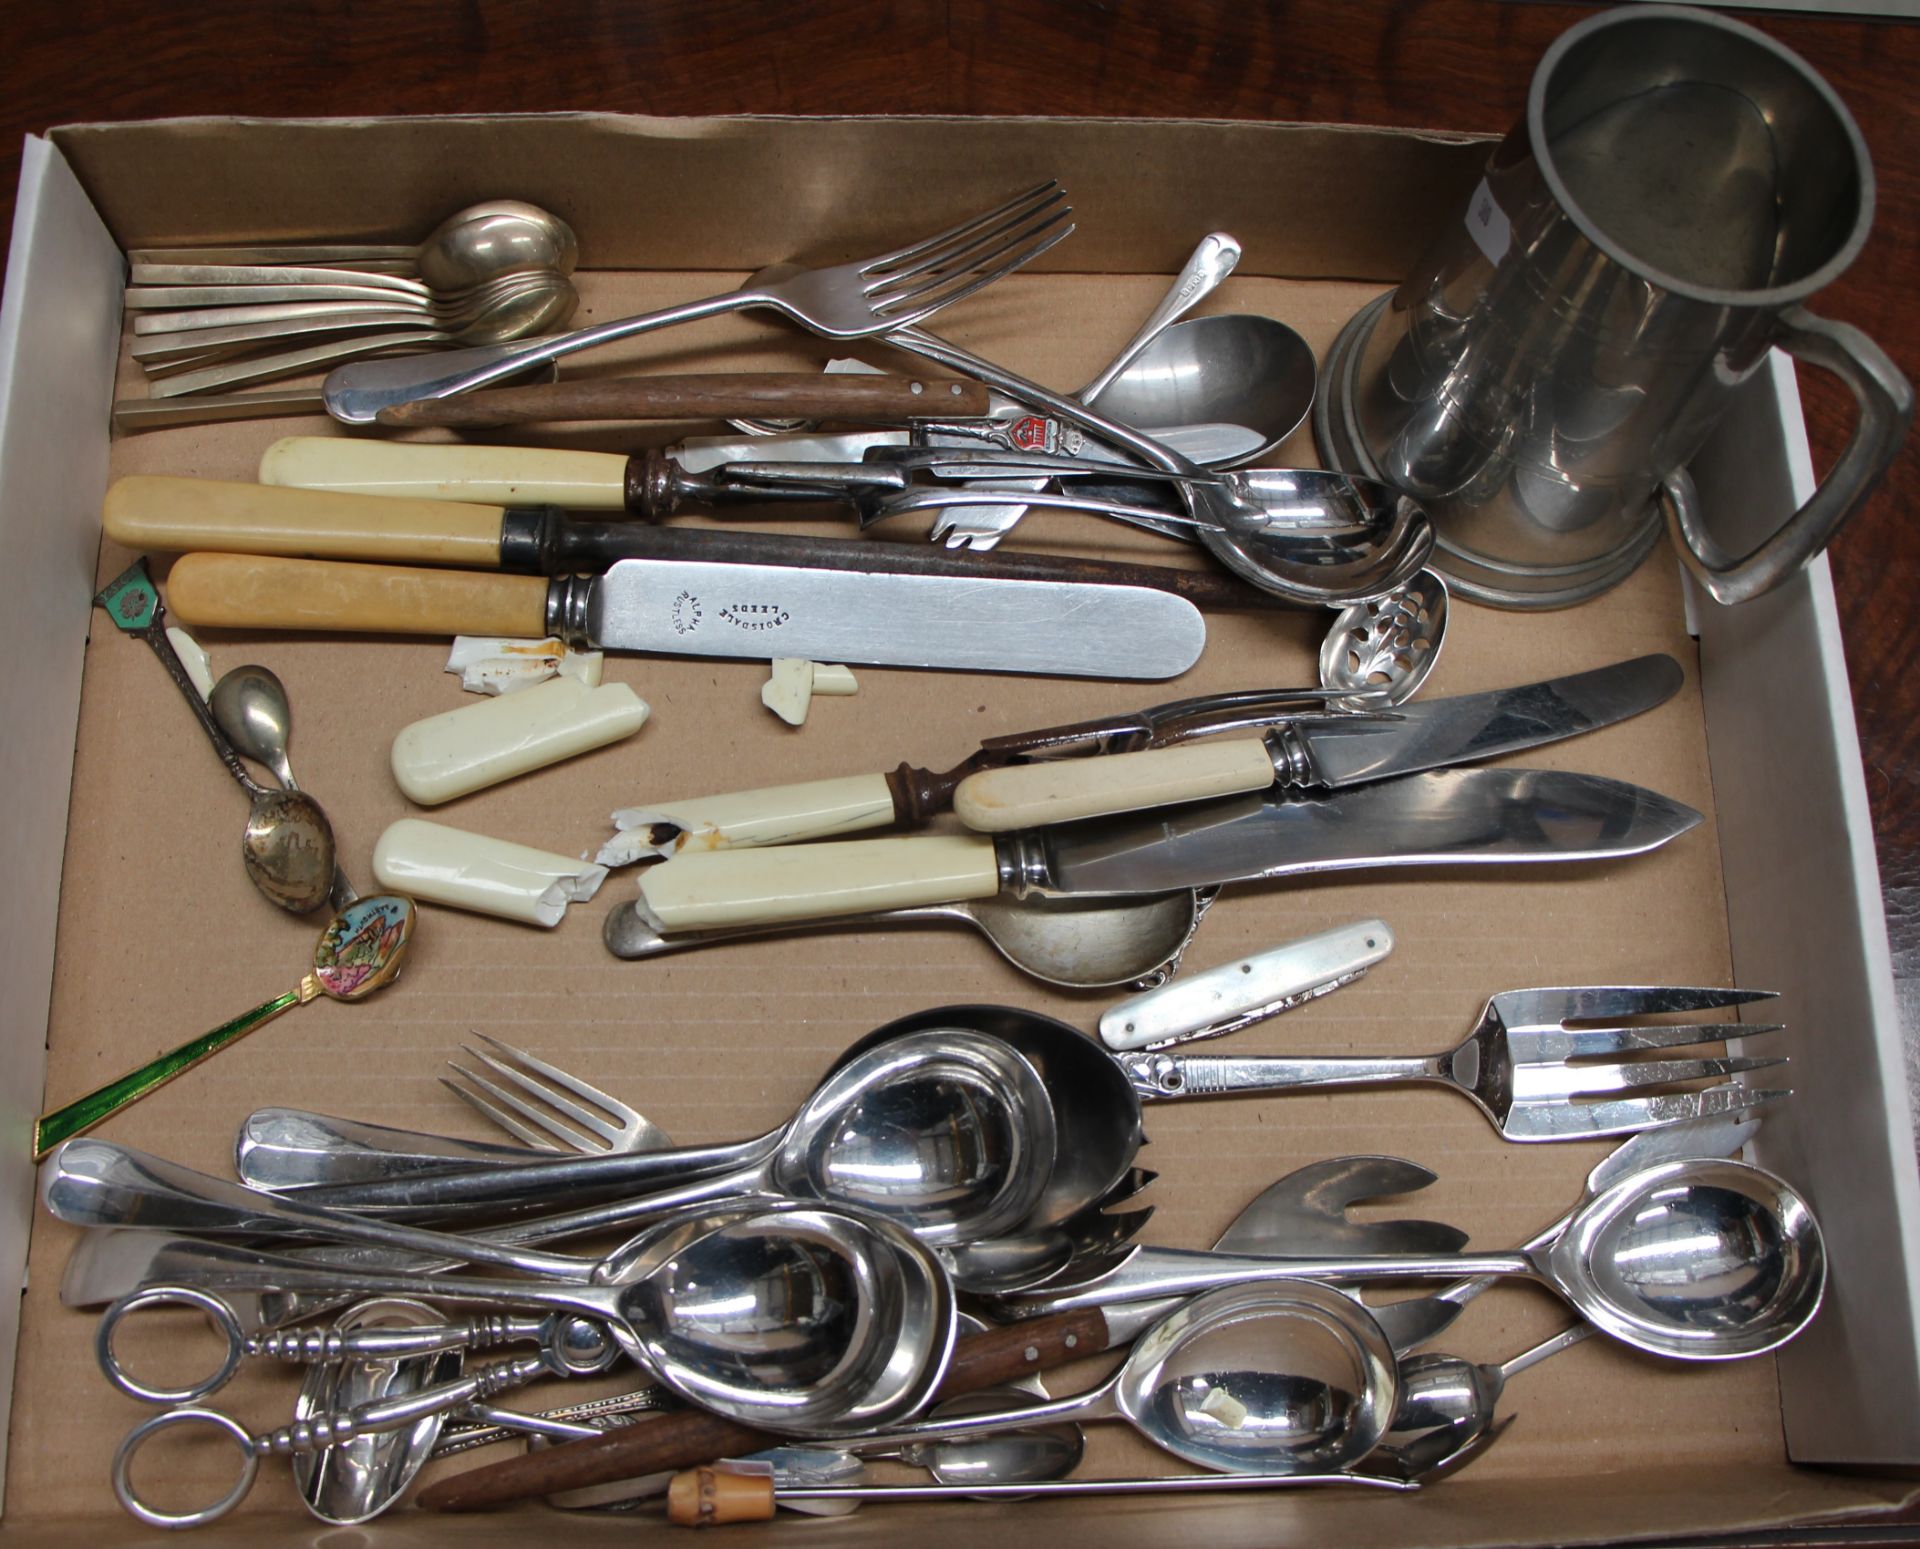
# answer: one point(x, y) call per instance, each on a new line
point(1885, 400)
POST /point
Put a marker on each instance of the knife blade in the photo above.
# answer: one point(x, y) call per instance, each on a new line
point(690, 608)
point(610, 481)
point(1328, 751)
point(1441, 818)
point(1323, 750)
point(175, 515)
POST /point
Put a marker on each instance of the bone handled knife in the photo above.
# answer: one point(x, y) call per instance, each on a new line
point(689, 608)
point(1443, 818)
point(1325, 751)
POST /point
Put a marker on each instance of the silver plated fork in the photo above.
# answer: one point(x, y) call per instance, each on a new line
point(847, 301)
point(535, 1102)
point(1529, 1068)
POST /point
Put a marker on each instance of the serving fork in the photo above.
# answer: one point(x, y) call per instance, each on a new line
point(1531, 1065)
point(846, 301)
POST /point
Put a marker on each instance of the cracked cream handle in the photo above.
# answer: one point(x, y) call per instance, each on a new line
point(779, 814)
point(998, 801)
point(488, 475)
point(701, 890)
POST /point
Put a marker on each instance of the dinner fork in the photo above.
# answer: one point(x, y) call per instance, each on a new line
point(532, 1100)
point(847, 301)
point(1526, 1065)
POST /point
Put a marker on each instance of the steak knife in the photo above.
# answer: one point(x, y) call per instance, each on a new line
point(1443, 818)
point(690, 608)
point(1303, 746)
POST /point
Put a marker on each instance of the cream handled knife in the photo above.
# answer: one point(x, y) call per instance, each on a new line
point(690, 608)
point(1450, 817)
point(1328, 750)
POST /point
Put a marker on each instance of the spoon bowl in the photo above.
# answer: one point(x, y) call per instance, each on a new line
point(1701, 1259)
point(1382, 649)
point(251, 705)
point(1096, 1110)
point(500, 236)
point(1230, 368)
point(287, 848)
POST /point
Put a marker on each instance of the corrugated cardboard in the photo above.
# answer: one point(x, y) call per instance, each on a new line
point(160, 935)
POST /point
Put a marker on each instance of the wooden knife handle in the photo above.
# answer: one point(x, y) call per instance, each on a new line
point(691, 1437)
point(247, 591)
point(151, 511)
point(854, 396)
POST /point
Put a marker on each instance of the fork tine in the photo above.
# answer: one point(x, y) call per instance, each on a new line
point(559, 1101)
point(1572, 1042)
point(498, 1116)
point(894, 318)
point(1518, 1007)
point(623, 1116)
point(898, 291)
point(1557, 1119)
point(984, 244)
point(517, 1104)
point(1532, 1083)
point(1038, 192)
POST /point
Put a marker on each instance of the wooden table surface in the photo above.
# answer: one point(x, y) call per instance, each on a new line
point(1456, 64)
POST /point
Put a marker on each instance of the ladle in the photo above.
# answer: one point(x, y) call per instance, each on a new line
point(288, 844)
point(947, 1130)
point(250, 705)
point(1271, 1378)
point(1073, 943)
point(1697, 1259)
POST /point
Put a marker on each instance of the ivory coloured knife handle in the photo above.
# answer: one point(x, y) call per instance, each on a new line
point(174, 515)
point(997, 801)
point(701, 890)
point(493, 475)
point(248, 591)
point(777, 814)
point(662, 1443)
point(805, 395)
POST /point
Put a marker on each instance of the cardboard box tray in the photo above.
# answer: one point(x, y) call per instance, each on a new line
point(117, 812)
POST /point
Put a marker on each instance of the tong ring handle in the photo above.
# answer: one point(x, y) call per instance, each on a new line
point(135, 1438)
point(223, 1318)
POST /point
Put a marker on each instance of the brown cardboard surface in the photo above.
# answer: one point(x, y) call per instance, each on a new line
point(161, 937)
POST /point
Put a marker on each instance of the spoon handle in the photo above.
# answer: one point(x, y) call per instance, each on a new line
point(83, 1113)
point(1156, 1272)
point(133, 602)
point(686, 1439)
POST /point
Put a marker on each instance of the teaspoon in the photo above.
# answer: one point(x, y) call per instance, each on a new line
point(288, 843)
point(250, 704)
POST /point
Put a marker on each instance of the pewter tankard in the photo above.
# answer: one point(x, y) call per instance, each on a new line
point(1680, 183)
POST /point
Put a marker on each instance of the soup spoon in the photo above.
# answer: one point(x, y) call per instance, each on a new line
point(1697, 1259)
point(1284, 1376)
